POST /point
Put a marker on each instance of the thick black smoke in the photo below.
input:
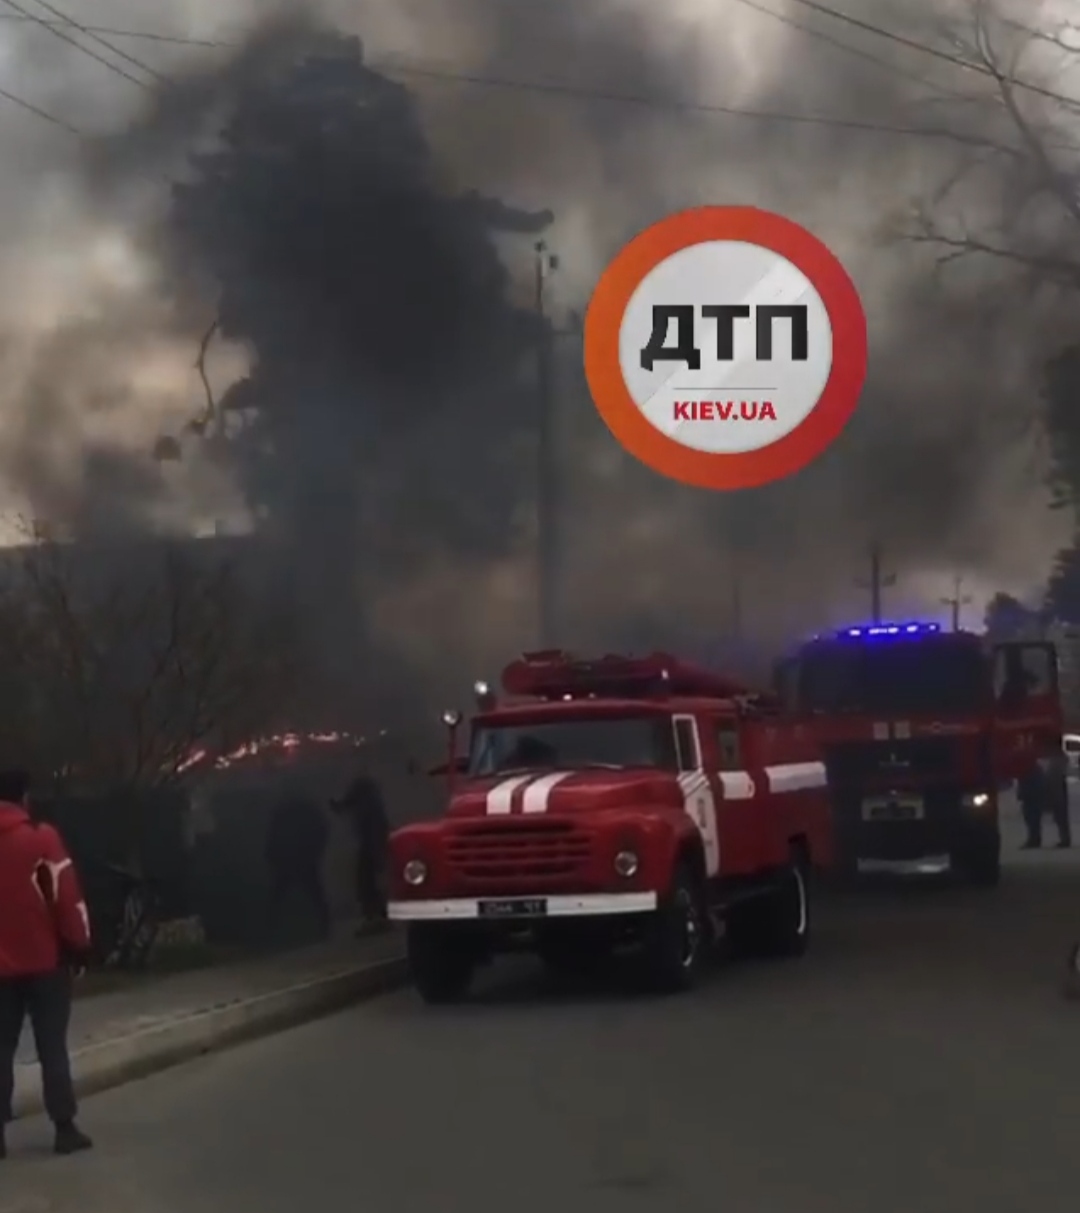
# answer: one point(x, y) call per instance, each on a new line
point(336, 231)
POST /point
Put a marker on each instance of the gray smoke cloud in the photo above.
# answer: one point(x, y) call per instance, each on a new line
point(941, 465)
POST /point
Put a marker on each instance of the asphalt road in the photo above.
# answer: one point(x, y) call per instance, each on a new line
point(920, 1058)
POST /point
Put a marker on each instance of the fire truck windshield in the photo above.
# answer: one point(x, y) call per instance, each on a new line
point(573, 744)
point(918, 676)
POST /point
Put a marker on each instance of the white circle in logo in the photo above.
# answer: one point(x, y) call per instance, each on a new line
point(736, 400)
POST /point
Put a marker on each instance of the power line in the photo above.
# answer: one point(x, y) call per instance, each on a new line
point(855, 51)
point(825, 10)
point(94, 36)
point(417, 69)
point(36, 110)
point(59, 33)
point(925, 48)
point(110, 32)
point(677, 105)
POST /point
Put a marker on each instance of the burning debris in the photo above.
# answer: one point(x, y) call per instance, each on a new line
point(275, 747)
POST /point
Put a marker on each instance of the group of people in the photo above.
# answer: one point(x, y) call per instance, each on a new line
point(45, 938)
point(296, 846)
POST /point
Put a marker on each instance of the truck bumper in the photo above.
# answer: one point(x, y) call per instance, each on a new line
point(944, 824)
point(519, 908)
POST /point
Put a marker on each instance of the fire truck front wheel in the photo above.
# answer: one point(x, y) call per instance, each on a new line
point(675, 939)
point(441, 962)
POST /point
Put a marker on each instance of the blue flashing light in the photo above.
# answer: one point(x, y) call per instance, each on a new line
point(891, 629)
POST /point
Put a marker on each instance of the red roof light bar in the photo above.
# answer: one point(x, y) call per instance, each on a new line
point(555, 674)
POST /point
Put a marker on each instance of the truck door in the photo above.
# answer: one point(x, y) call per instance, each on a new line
point(699, 789)
point(1027, 707)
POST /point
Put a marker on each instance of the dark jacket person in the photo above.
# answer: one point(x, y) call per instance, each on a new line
point(44, 935)
point(363, 805)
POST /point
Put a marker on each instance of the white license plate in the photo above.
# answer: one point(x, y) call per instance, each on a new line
point(893, 808)
point(513, 907)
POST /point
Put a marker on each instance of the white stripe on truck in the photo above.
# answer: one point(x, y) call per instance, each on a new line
point(537, 795)
point(501, 797)
point(796, 776)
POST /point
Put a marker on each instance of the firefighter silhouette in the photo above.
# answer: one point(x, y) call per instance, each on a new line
point(365, 809)
point(530, 751)
point(1045, 790)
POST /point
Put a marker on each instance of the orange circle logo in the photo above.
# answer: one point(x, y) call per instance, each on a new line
point(725, 347)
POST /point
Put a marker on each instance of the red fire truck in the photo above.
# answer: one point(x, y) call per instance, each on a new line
point(919, 730)
point(642, 803)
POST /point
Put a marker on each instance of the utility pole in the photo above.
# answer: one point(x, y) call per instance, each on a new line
point(736, 593)
point(547, 492)
point(878, 581)
point(957, 602)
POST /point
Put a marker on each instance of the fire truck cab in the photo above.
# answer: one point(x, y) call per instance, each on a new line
point(919, 730)
point(639, 804)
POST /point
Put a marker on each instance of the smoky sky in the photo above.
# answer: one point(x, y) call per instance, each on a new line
point(942, 464)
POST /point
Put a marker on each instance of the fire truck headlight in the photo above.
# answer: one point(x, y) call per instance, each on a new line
point(626, 864)
point(978, 800)
point(415, 872)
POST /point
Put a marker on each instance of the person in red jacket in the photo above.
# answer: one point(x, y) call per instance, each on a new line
point(44, 941)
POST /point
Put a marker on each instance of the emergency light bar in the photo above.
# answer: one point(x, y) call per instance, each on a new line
point(554, 674)
point(889, 629)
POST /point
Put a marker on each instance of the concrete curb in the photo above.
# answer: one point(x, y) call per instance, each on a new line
point(112, 1063)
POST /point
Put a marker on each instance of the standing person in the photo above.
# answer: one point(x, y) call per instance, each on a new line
point(1059, 801)
point(1031, 791)
point(363, 805)
point(44, 941)
point(296, 843)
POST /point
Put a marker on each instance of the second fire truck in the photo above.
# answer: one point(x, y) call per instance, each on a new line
point(919, 730)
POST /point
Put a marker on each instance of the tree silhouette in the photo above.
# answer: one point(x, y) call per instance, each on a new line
point(1063, 587)
point(1007, 617)
point(1061, 417)
point(387, 412)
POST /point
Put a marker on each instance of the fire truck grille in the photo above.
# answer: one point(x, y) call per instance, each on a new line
point(923, 756)
point(509, 849)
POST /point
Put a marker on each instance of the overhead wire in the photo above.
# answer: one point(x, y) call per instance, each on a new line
point(406, 66)
point(817, 6)
point(95, 37)
point(936, 52)
point(38, 112)
point(855, 52)
point(57, 32)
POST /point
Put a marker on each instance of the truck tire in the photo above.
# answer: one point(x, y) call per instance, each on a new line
point(777, 923)
point(442, 967)
point(978, 859)
point(675, 942)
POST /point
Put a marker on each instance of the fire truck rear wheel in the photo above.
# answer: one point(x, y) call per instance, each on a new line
point(675, 941)
point(776, 924)
point(441, 962)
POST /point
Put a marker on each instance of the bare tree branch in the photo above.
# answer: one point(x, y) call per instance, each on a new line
point(130, 664)
point(201, 424)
